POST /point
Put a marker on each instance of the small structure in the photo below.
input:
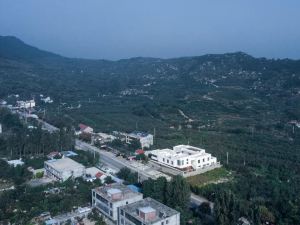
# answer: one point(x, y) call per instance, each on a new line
point(149, 212)
point(68, 153)
point(139, 152)
point(145, 139)
point(183, 157)
point(47, 100)
point(51, 155)
point(85, 129)
point(103, 138)
point(16, 162)
point(94, 173)
point(243, 221)
point(26, 104)
point(107, 199)
point(62, 169)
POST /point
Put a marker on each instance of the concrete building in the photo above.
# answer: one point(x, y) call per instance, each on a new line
point(85, 129)
point(107, 199)
point(148, 212)
point(26, 104)
point(62, 169)
point(184, 157)
point(16, 162)
point(144, 138)
point(103, 138)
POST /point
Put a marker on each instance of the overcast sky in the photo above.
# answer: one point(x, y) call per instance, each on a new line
point(114, 29)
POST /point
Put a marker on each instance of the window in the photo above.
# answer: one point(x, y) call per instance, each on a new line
point(163, 159)
point(167, 161)
point(203, 160)
point(199, 161)
point(110, 205)
point(111, 213)
point(122, 212)
point(167, 221)
point(172, 162)
point(126, 203)
point(178, 162)
point(208, 159)
point(162, 223)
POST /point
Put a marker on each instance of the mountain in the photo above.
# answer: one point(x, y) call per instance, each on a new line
point(13, 48)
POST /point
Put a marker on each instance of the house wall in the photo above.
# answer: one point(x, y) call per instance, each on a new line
point(172, 220)
point(110, 209)
point(186, 161)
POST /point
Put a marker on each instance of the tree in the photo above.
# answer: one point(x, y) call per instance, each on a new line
point(178, 193)
point(108, 180)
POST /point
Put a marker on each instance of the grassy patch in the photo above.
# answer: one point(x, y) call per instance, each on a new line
point(214, 176)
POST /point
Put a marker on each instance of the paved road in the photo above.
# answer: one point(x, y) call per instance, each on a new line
point(48, 126)
point(108, 158)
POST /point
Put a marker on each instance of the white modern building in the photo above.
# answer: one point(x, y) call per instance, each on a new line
point(26, 104)
point(108, 199)
point(63, 169)
point(148, 212)
point(184, 157)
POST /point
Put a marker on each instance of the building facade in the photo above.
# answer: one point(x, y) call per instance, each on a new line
point(26, 104)
point(108, 199)
point(148, 212)
point(63, 169)
point(183, 157)
point(145, 139)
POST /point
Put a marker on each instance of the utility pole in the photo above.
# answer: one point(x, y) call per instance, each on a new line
point(227, 156)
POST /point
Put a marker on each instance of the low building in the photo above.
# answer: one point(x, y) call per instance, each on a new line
point(16, 162)
point(145, 139)
point(85, 129)
point(62, 169)
point(103, 138)
point(184, 157)
point(148, 212)
point(94, 173)
point(107, 199)
point(26, 104)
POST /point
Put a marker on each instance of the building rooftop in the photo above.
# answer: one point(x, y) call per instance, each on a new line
point(180, 151)
point(149, 206)
point(139, 134)
point(64, 164)
point(121, 190)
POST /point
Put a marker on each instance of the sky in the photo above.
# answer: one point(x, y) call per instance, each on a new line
point(116, 29)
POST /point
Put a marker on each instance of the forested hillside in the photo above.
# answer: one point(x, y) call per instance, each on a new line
point(231, 103)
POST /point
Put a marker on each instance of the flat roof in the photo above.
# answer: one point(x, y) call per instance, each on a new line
point(115, 188)
point(147, 204)
point(64, 164)
point(180, 151)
